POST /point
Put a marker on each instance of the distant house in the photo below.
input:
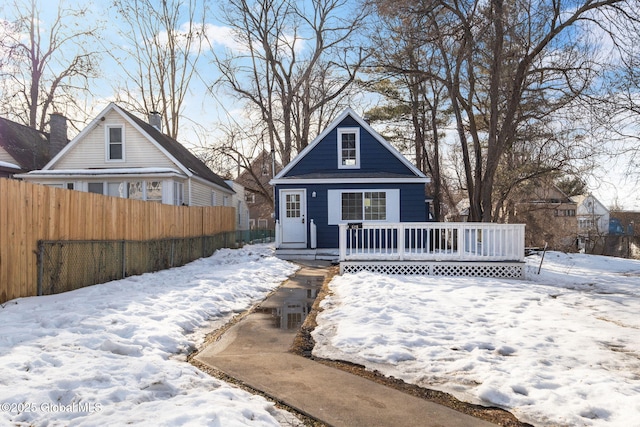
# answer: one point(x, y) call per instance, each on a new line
point(348, 174)
point(259, 193)
point(120, 155)
point(23, 149)
point(624, 223)
point(238, 201)
point(593, 221)
point(550, 216)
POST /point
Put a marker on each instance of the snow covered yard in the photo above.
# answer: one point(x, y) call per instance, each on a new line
point(114, 354)
point(559, 349)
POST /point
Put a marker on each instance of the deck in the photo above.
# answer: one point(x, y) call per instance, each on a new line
point(433, 248)
point(428, 248)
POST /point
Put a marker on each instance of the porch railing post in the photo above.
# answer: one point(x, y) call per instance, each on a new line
point(401, 241)
point(461, 240)
point(342, 237)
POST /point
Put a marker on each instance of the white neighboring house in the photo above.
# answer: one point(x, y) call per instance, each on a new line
point(240, 203)
point(120, 155)
point(593, 219)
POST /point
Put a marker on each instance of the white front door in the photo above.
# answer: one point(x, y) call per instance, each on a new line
point(293, 210)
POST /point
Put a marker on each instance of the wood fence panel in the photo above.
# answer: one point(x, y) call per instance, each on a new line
point(29, 213)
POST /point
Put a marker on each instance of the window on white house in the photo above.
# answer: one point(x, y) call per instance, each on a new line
point(348, 148)
point(154, 191)
point(69, 186)
point(214, 199)
point(96, 187)
point(136, 190)
point(178, 193)
point(115, 143)
point(117, 189)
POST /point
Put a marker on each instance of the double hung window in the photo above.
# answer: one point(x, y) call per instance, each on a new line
point(115, 143)
point(348, 148)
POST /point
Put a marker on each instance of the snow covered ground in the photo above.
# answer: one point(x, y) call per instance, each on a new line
point(114, 354)
point(561, 348)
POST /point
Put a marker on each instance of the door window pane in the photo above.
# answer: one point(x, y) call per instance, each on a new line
point(293, 205)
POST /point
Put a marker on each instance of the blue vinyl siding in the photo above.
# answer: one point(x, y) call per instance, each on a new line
point(412, 206)
point(323, 158)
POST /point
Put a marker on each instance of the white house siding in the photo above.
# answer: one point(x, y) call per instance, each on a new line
point(6, 157)
point(201, 194)
point(590, 210)
point(239, 202)
point(89, 153)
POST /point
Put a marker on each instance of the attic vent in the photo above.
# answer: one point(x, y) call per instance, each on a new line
point(155, 120)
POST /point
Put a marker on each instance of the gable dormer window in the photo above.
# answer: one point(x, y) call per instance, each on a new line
point(348, 148)
point(115, 143)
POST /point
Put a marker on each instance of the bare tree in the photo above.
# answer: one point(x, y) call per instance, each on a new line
point(405, 61)
point(46, 66)
point(165, 41)
point(512, 70)
point(295, 63)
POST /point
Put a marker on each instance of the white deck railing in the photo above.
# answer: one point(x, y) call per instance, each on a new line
point(432, 241)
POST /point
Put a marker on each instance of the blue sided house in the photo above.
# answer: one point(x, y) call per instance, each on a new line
point(348, 175)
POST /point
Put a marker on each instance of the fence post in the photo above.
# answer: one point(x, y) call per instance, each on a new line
point(40, 262)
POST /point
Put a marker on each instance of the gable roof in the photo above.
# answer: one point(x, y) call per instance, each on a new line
point(29, 147)
point(363, 124)
point(186, 161)
point(582, 198)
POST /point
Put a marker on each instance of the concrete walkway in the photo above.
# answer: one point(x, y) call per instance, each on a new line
point(255, 352)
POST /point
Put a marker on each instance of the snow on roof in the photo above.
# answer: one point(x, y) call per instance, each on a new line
point(9, 165)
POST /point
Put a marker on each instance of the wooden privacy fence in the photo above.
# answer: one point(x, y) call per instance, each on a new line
point(30, 213)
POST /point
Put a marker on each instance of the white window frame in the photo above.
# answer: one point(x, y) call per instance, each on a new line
point(148, 190)
point(104, 185)
point(107, 142)
point(178, 193)
point(342, 131)
point(334, 205)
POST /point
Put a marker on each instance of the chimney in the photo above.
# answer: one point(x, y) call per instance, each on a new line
point(57, 133)
point(155, 120)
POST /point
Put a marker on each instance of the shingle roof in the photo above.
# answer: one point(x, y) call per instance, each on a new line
point(180, 152)
point(29, 147)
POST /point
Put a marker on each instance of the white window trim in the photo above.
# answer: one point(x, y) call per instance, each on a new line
point(334, 204)
point(341, 131)
point(107, 144)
